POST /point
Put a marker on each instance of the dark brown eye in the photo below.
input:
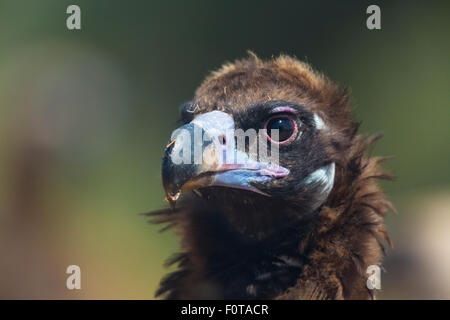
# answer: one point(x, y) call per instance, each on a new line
point(286, 127)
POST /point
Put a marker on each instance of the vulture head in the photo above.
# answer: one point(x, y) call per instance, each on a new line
point(271, 188)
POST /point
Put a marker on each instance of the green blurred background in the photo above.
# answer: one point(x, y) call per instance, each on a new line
point(85, 115)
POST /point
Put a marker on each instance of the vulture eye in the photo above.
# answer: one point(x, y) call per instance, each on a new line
point(286, 126)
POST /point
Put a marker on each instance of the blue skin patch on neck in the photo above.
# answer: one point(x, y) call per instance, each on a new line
point(322, 178)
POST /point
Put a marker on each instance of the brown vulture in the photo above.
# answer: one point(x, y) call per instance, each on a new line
point(307, 227)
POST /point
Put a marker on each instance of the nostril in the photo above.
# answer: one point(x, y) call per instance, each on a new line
point(222, 139)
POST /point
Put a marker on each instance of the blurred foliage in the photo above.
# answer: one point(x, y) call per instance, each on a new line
point(85, 115)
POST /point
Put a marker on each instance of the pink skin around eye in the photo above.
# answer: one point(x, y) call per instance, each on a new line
point(283, 109)
point(294, 124)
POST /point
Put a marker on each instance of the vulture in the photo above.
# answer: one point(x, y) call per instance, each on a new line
point(306, 226)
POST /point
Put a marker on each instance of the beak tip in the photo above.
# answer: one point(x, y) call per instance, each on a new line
point(172, 199)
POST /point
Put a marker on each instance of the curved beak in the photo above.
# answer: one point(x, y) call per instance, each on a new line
point(203, 153)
